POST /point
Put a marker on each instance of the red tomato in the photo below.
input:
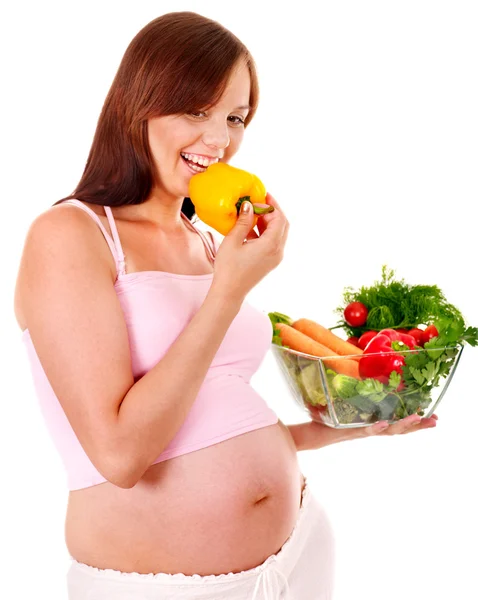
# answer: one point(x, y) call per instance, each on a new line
point(353, 340)
point(417, 333)
point(365, 338)
point(355, 314)
point(430, 332)
point(395, 364)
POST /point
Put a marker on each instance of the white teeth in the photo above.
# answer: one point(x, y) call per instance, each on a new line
point(197, 168)
point(199, 160)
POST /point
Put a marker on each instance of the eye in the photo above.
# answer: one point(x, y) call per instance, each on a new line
point(197, 115)
point(238, 121)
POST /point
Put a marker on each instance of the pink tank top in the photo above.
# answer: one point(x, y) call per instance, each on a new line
point(157, 306)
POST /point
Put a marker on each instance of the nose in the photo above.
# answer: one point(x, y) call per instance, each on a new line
point(216, 135)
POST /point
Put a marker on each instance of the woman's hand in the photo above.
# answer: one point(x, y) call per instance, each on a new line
point(407, 425)
point(314, 435)
point(240, 264)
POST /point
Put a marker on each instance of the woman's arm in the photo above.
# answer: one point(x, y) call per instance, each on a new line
point(313, 435)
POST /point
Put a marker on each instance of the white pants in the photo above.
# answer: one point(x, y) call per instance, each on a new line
point(303, 569)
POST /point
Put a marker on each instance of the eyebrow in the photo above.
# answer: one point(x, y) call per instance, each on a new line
point(246, 107)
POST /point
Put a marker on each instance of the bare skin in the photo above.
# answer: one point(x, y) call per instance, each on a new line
point(221, 509)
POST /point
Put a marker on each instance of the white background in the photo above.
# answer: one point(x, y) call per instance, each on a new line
point(367, 136)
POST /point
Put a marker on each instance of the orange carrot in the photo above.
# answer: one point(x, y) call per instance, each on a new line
point(301, 342)
point(324, 336)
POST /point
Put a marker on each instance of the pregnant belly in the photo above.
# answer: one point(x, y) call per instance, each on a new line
point(222, 509)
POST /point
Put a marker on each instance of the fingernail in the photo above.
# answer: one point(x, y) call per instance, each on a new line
point(246, 206)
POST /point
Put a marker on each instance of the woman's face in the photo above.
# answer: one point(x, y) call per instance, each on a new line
point(180, 143)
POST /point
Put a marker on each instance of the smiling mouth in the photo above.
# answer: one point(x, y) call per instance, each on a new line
point(194, 166)
point(197, 163)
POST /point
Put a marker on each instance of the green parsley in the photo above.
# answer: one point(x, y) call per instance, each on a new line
point(394, 304)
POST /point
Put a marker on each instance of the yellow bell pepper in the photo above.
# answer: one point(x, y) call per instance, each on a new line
point(217, 195)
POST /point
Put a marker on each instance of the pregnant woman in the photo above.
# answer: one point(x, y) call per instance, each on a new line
point(182, 482)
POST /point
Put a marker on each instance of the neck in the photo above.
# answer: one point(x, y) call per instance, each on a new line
point(159, 212)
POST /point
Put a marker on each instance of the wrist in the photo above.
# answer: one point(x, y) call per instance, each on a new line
point(313, 435)
point(224, 299)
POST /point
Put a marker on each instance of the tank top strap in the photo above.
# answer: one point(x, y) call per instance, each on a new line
point(119, 249)
point(209, 245)
point(213, 243)
point(117, 255)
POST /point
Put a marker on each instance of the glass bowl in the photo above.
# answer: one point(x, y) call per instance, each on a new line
point(320, 387)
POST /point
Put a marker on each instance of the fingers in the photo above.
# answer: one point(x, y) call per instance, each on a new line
point(271, 220)
point(273, 225)
point(377, 428)
point(272, 201)
point(414, 423)
point(406, 425)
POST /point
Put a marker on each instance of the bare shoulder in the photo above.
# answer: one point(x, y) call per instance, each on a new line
point(63, 221)
point(61, 230)
point(64, 224)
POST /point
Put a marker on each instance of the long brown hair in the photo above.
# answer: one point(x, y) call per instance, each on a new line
point(178, 63)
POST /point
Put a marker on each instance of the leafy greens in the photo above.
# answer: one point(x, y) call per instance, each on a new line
point(395, 304)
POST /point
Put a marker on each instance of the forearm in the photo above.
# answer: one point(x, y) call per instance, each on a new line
point(156, 406)
point(312, 435)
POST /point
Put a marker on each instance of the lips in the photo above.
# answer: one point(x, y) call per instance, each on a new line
point(195, 168)
point(200, 159)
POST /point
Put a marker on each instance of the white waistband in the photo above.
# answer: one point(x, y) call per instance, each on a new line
point(270, 580)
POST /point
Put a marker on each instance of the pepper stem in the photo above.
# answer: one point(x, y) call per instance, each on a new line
point(258, 209)
point(240, 201)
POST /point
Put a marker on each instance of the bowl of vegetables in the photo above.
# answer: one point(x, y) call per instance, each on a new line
point(396, 372)
point(329, 395)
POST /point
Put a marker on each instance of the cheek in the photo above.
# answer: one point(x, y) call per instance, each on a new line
point(167, 139)
point(157, 146)
point(235, 140)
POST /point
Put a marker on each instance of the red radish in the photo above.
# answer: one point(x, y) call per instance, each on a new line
point(354, 340)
